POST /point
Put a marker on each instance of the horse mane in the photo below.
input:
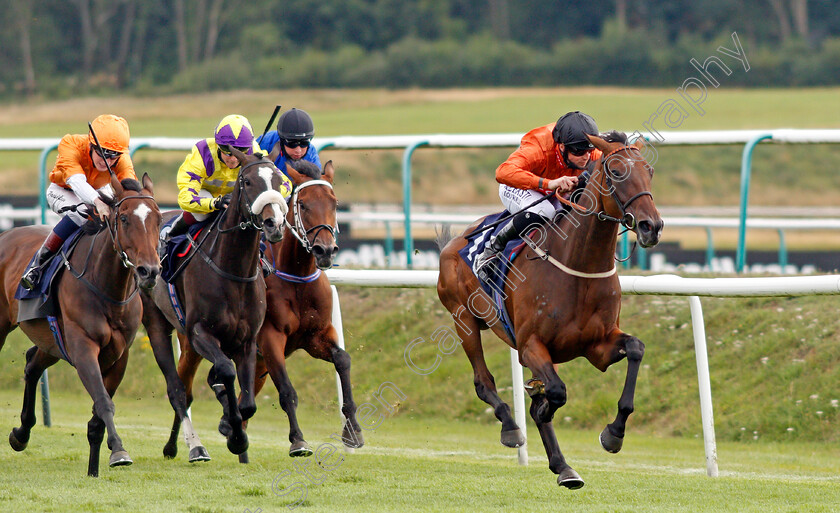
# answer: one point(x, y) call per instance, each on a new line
point(443, 236)
point(614, 136)
point(131, 184)
point(306, 168)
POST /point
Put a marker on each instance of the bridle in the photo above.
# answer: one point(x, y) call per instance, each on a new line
point(300, 232)
point(252, 220)
point(627, 219)
point(111, 225)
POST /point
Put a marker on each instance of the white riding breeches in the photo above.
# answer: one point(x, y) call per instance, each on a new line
point(203, 194)
point(58, 197)
point(514, 200)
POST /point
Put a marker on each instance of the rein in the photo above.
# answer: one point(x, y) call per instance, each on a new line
point(252, 221)
point(627, 220)
point(117, 244)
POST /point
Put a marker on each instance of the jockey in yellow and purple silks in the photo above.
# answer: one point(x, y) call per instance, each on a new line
point(208, 174)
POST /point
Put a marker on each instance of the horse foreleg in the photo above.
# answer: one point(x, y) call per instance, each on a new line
point(485, 384)
point(351, 435)
point(112, 379)
point(87, 367)
point(36, 362)
point(612, 437)
point(224, 373)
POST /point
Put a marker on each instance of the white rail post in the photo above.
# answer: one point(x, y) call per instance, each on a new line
point(519, 403)
point(339, 328)
point(704, 384)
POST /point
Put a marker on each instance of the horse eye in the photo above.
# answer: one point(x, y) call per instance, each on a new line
point(124, 219)
point(247, 181)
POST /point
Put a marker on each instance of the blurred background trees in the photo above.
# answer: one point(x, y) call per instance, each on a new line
point(58, 48)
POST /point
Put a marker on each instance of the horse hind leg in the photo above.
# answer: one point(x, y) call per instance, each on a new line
point(187, 367)
point(36, 362)
point(612, 437)
point(548, 393)
point(485, 385)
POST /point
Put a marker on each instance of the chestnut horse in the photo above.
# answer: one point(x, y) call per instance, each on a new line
point(221, 295)
point(100, 310)
point(566, 301)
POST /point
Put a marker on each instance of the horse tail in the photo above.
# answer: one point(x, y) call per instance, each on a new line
point(443, 236)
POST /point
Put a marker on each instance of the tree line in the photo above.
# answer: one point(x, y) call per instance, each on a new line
point(59, 48)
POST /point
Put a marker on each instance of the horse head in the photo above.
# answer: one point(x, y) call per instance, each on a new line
point(257, 195)
point(134, 224)
point(622, 179)
point(313, 211)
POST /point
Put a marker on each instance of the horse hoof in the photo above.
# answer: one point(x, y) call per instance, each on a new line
point(513, 438)
point(300, 449)
point(243, 458)
point(238, 445)
point(224, 428)
point(199, 453)
point(610, 442)
point(352, 438)
point(570, 479)
point(170, 451)
point(15, 443)
point(119, 459)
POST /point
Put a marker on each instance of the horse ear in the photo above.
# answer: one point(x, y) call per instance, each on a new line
point(116, 185)
point(239, 155)
point(296, 177)
point(640, 142)
point(147, 184)
point(275, 152)
point(599, 143)
point(329, 171)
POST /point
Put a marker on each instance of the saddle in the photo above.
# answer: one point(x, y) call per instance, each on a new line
point(178, 250)
point(41, 302)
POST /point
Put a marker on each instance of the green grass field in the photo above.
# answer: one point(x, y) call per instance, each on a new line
point(410, 463)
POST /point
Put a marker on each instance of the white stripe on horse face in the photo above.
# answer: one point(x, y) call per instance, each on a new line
point(266, 173)
point(142, 211)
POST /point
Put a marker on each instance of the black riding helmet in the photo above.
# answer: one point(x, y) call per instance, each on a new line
point(295, 125)
point(571, 130)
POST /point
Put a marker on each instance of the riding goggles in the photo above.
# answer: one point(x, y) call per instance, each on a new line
point(302, 143)
point(110, 154)
point(224, 148)
point(578, 151)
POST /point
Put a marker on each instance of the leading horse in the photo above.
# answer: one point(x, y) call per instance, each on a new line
point(220, 294)
point(563, 298)
point(100, 310)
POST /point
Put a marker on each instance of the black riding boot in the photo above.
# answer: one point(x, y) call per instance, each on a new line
point(179, 227)
point(32, 275)
point(520, 222)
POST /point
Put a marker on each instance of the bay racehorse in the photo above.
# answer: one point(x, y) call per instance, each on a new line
point(220, 294)
point(563, 298)
point(299, 302)
point(100, 309)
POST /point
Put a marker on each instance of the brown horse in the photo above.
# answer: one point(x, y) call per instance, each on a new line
point(221, 292)
point(299, 303)
point(100, 310)
point(563, 298)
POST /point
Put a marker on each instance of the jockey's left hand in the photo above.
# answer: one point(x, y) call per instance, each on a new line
point(563, 184)
point(102, 209)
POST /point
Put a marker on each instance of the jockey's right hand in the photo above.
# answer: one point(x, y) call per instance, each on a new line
point(563, 184)
point(221, 201)
point(102, 209)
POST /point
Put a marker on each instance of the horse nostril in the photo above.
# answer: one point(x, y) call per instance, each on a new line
point(318, 251)
point(645, 227)
point(269, 223)
point(335, 250)
point(143, 271)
